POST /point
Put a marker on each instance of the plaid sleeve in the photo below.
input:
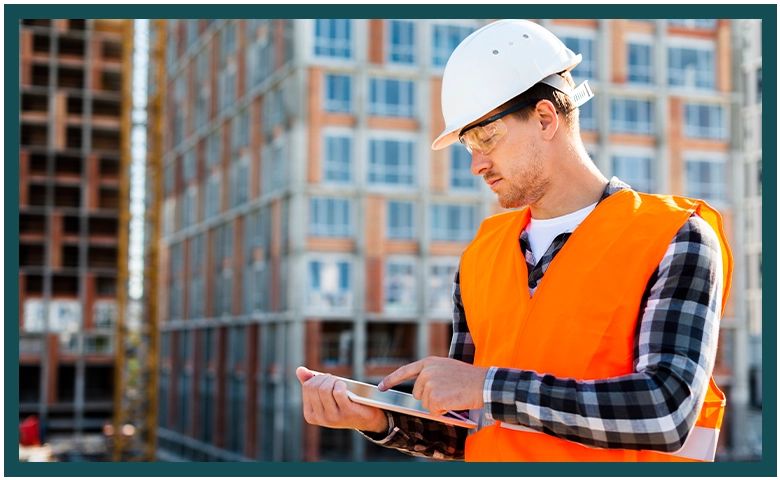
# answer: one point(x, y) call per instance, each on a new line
point(425, 438)
point(675, 343)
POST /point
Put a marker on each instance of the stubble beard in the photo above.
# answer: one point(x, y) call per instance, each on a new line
point(533, 183)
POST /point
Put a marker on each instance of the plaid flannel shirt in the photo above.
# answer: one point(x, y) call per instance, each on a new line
point(653, 408)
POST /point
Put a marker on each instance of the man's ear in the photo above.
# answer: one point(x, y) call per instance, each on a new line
point(548, 119)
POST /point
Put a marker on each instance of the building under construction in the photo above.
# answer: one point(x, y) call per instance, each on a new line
point(307, 222)
point(71, 114)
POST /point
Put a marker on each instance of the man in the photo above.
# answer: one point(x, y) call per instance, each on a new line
point(599, 351)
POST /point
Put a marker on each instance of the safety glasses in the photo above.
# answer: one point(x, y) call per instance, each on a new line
point(483, 136)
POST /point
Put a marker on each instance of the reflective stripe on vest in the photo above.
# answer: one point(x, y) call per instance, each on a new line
point(586, 306)
point(701, 443)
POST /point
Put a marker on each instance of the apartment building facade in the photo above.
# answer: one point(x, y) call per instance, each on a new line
point(307, 222)
point(69, 157)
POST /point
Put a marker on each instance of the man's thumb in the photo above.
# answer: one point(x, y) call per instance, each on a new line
point(303, 374)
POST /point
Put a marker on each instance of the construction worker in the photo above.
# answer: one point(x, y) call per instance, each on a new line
point(586, 323)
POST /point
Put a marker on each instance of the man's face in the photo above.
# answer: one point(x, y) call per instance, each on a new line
point(514, 169)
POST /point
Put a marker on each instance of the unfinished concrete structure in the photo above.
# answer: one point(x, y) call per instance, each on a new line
point(70, 89)
point(307, 222)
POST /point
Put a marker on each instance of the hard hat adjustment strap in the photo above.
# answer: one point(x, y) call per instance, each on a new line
point(581, 94)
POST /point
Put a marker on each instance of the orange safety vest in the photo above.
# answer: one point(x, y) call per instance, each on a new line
point(580, 322)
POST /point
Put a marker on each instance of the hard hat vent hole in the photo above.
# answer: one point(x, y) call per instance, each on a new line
point(495, 52)
point(511, 43)
point(525, 35)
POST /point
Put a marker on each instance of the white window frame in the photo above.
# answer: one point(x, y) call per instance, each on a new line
point(623, 125)
point(329, 164)
point(640, 41)
point(696, 130)
point(445, 234)
point(461, 174)
point(436, 305)
point(407, 96)
point(314, 301)
point(720, 188)
point(680, 76)
point(379, 168)
point(319, 207)
point(399, 232)
point(403, 49)
point(337, 105)
point(407, 286)
point(341, 43)
point(633, 154)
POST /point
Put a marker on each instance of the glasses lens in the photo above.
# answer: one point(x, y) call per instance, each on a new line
point(483, 139)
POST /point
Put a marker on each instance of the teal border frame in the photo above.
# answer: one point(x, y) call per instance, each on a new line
point(13, 13)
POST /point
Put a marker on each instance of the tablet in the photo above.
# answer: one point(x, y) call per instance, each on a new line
point(395, 401)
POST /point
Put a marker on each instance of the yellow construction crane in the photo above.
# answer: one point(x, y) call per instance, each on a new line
point(134, 429)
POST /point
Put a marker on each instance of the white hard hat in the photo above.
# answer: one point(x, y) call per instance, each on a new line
point(495, 64)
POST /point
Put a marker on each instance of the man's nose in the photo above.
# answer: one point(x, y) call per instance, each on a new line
point(479, 163)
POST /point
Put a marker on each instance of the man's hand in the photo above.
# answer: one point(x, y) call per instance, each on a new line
point(325, 403)
point(442, 383)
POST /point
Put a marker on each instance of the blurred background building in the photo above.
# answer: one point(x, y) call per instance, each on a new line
point(305, 220)
point(70, 88)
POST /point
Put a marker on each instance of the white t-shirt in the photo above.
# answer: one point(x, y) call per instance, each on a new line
point(541, 233)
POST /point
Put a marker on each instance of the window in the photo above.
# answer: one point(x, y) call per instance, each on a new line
point(213, 195)
point(227, 87)
point(693, 23)
point(440, 285)
point(401, 42)
point(191, 206)
point(584, 46)
point(400, 220)
point(454, 223)
point(391, 97)
point(390, 343)
point(588, 115)
point(275, 167)
point(175, 269)
point(391, 162)
point(400, 286)
point(705, 179)
point(197, 291)
point(192, 31)
point(632, 116)
point(634, 170)
point(338, 159)
point(179, 94)
point(227, 44)
point(202, 88)
point(445, 39)
point(461, 177)
point(104, 314)
point(336, 340)
point(190, 165)
point(640, 63)
point(239, 191)
point(692, 67)
point(338, 93)
point(333, 38)
point(240, 128)
point(330, 217)
point(704, 121)
point(329, 284)
point(214, 147)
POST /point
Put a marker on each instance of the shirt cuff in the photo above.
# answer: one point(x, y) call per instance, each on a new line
point(380, 438)
point(487, 390)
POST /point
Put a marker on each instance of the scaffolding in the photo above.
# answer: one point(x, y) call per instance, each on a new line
point(135, 396)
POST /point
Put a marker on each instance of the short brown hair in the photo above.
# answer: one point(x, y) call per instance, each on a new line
point(541, 91)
